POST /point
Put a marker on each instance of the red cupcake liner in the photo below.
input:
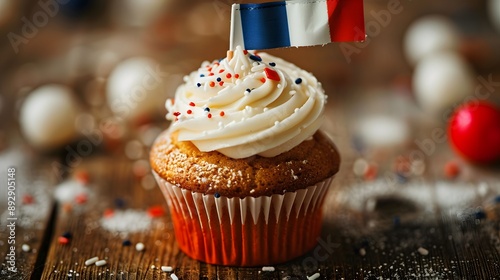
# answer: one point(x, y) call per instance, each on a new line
point(250, 231)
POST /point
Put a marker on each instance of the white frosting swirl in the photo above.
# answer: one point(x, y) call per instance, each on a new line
point(247, 105)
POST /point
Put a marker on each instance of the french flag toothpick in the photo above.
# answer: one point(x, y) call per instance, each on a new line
point(296, 23)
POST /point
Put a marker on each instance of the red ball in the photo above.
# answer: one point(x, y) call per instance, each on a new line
point(474, 131)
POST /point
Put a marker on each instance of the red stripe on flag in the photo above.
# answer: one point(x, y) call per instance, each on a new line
point(346, 20)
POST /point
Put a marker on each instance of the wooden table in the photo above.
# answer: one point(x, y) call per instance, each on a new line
point(419, 227)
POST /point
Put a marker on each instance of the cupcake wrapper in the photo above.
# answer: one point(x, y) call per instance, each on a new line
point(248, 231)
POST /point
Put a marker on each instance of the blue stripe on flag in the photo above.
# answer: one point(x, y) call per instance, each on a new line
point(265, 25)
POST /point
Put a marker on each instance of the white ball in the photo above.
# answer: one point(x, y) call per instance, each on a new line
point(47, 116)
point(136, 88)
point(442, 81)
point(429, 35)
point(494, 13)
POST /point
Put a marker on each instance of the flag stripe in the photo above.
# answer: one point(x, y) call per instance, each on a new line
point(308, 23)
point(346, 20)
point(265, 26)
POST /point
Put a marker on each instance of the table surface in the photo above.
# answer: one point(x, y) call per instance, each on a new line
point(421, 227)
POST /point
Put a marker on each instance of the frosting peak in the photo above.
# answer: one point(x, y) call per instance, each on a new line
point(247, 105)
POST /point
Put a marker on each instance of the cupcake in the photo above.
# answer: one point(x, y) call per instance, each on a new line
point(244, 166)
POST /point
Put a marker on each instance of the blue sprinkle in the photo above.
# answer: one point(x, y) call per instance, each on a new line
point(219, 79)
point(298, 81)
point(202, 75)
point(216, 195)
point(67, 235)
point(126, 242)
point(198, 85)
point(207, 109)
point(401, 178)
point(255, 57)
point(119, 203)
point(480, 214)
point(248, 90)
point(272, 64)
point(497, 199)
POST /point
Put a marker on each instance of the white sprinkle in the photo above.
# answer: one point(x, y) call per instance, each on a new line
point(268, 268)
point(359, 167)
point(139, 246)
point(91, 261)
point(166, 268)
point(100, 263)
point(26, 247)
point(314, 276)
point(153, 266)
point(174, 277)
point(423, 251)
point(278, 85)
point(362, 252)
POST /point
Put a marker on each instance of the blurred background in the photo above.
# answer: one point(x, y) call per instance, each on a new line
point(87, 76)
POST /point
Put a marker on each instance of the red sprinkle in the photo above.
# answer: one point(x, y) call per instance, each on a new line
point(209, 69)
point(221, 83)
point(370, 173)
point(191, 104)
point(81, 198)
point(228, 75)
point(63, 240)
point(221, 70)
point(210, 74)
point(108, 213)
point(28, 199)
point(82, 176)
point(177, 114)
point(451, 170)
point(189, 112)
point(271, 74)
point(212, 84)
point(263, 80)
point(245, 52)
point(236, 76)
point(222, 113)
point(156, 211)
point(209, 116)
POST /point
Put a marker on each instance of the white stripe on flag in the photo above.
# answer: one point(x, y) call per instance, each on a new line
point(236, 35)
point(308, 23)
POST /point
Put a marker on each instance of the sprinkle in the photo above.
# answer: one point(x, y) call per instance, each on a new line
point(314, 276)
point(212, 84)
point(192, 104)
point(108, 213)
point(26, 248)
point(216, 195)
point(422, 251)
point(228, 75)
point(174, 277)
point(176, 114)
point(271, 74)
point(139, 246)
point(255, 57)
point(119, 203)
point(211, 74)
point(245, 52)
point(219, 79)
point(272, 64)
point(67, 234)
point(451, 170)
point(497, 199)
point(263, 79)
point(298, 81)
point(126, 243)
point(28, 199)
point(248, 90)
point(362, 252)
point(156, 211)
point(81, 198)
point(221, 83)
point(91, 261)
point(268, 268)
point(236, 76)
point(166, 268)
point(189, 112)
point(198, 84)
point(63, 240)
point(480, 214)
point(82, 176)
point(221, 70)
point(100, 263)
point(209, 116)
point(222, 113)
point(206, 109)
point(202, 75)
